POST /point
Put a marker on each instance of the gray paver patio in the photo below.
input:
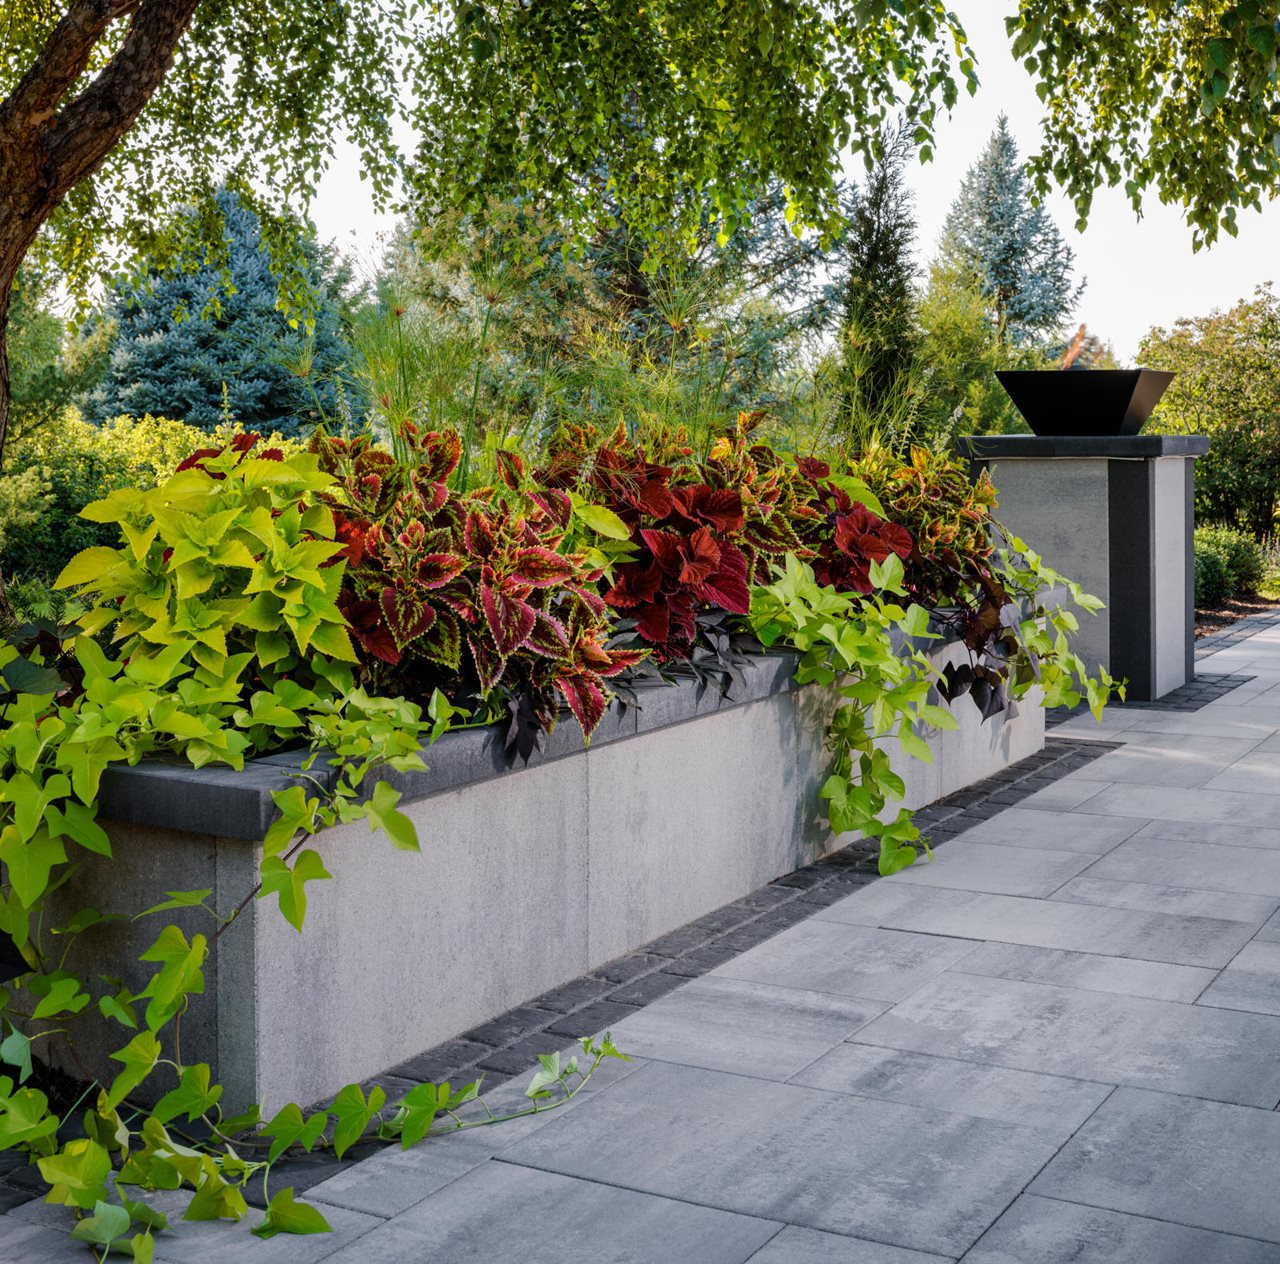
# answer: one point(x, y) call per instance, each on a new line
point(1057, 1044)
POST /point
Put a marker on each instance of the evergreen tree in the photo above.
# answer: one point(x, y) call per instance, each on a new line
point(193, 347)
point(1011, 249)
point(878, 323)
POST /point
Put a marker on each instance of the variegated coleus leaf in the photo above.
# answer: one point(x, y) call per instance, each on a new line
point(539, 567)
point(406, 614)
point(587, 699)
point(510, 620)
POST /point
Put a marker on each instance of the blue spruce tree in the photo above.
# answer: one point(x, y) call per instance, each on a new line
point(1008, 247)
point(204, 340)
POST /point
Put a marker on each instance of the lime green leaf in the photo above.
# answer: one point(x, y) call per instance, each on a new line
point(290, 884)
point(138, 1057)
point(381, 810)
point(77, 1174)
point(15, 1049)
point(107, 1223)
point(284, 1215)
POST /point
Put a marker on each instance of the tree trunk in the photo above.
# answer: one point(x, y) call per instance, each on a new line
point(50, 141)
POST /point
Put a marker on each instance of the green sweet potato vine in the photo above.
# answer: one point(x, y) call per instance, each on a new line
point(223, 602)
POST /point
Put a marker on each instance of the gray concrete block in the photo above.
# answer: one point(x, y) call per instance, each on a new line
point(503, 1214)
point(808, 1246)
point(1172, 803)
point(1258, 773)
point(25, 1243)
point(1199, 1163)
point(1223, 833)
point(1012, 919)
point(1121, 975)
point(1152, 897)
point(726, 1024)
point(1218, 1054)
point(976, 866)
point(1208, 866)
point(1056, 1105)
point(1046, 1231)
point(1056, 831)
point(826, 1161)
point(1250, 982)
point(826, 956)
point(1062, 795)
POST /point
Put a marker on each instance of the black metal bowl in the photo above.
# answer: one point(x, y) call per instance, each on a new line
point(1085, 401)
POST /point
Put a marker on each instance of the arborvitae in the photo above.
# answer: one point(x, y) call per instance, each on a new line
point(207, 339)
point(1010, 248)
point(878, 335)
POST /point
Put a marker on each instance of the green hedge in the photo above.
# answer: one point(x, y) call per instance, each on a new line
point(1228, 561)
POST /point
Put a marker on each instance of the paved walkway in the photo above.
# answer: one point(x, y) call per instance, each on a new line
point(1058, 1042)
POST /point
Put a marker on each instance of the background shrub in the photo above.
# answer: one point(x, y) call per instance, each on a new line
point(76, 462)
point(1214, 580)
point(1245, 557)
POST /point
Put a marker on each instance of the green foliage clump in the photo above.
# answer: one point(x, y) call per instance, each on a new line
point(1227, 561)
point(1227, 387)
point(1213, 581)
point(77, 462)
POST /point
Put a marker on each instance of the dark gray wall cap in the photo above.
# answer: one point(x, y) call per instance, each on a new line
point(222, 802)
point(995, 447)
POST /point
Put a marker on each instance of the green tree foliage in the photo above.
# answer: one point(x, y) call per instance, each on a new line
point(1011, 248)
point(203, 342)
point(50, 370)
point(878, 333)
point(1228, 387)
point(1179, 98)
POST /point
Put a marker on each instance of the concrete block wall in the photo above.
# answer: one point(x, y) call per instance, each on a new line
point(528, 877)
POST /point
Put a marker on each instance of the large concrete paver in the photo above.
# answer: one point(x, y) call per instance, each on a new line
point(827, 1161)
point(977, 866)
point(1154, 897)
point(848, 960)
point(1050, 1103)
point(1250, 982)
point(808, 1246)
point(1115, 932)
point(504, 1214)
point(1199, 1163)
point(1207, 866)
point(727, 1024)
point(1054, 829)
point(1047, 1231)
point(1215, 1053)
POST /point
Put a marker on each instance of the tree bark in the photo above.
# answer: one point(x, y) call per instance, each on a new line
point(49, 144)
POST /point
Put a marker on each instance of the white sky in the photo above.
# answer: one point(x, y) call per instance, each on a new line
point(1139, 272)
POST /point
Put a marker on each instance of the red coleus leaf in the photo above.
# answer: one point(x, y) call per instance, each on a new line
point(586, 698)
point(510, 620)
point(555, 504)
point(412, 536)
point(653, 623)
point(549, 637)
point(432, 493)
point(619, 660)
point(812, 468)
point(489, 663)
point(727, 587)
point(406, 616)
point(637, 583)
point(700, 556)
point(861, 532)
point(437, 569)
point(510, 469)
point(442, 641)
point(197, 459)
point(368, 628)
point(539, 567)
point(353, 536)
point(438, 455)
point(720, 508)
point(480, 535)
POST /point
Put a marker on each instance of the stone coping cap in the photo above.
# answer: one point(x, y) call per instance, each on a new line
point(993, 447)
point(226, 803)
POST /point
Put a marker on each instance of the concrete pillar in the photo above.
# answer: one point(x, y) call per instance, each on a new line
point(1117, 515)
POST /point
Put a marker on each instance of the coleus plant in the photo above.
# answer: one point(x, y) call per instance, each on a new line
point(470, 594)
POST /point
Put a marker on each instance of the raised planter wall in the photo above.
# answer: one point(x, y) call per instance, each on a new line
point(528, 877)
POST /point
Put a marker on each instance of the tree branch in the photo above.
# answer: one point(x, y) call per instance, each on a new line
point(59, 64)
point(87, 128)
